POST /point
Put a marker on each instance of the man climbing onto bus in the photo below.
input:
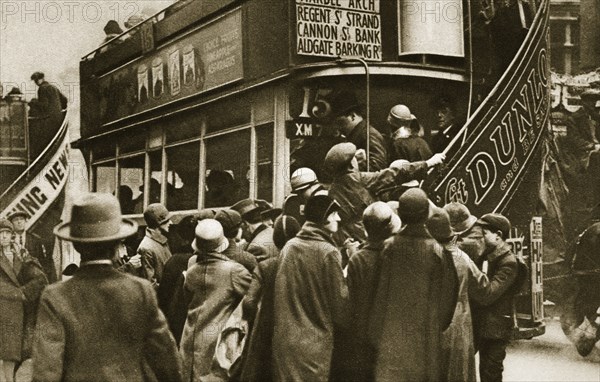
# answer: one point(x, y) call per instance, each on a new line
point(50, 101)
point(347, 117)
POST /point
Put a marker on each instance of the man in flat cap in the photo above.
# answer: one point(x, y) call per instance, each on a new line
point(347, 117)
point(32, 243)
point(493, 308)
point(102, 324)
point(355, 190)
point(50, 101)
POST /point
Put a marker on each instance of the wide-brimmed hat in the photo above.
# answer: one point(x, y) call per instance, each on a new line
point(318, 207)
point(439, 226)
point(209, 236)
point(342, 102)
point(6, 225)
point(339, 157)
point(413, 206)
point(17, 214)
point(460, 217)
point(302, 179)
point(380, 220)
point(95, 218)
point(496, 222)
point(156, 214)
point(248, 209)
point(267, 211)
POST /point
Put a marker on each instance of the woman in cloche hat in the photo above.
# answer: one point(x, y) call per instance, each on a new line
point(22, 280)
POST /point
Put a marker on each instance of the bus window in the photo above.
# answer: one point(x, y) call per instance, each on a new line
point(227, 169)
point(132, 176)
point(104, 177)
point(183, 163)
point(264, 156)
point(155, 176)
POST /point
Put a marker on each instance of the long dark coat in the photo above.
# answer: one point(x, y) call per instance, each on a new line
point(457, 344)
point(378, 159)
point(310, 303)
point(103, 325)
point(216, 285)
point(20, 289)
point(412, 307)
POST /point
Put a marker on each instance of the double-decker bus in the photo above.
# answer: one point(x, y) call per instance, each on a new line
point(207, 103)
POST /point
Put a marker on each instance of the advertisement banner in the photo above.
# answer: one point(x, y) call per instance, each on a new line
point(203, 60)
point(503, 134)
point(43, 188)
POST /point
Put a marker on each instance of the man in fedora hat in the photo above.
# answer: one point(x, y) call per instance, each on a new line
point(416, 291)
point(380, 222)
point(469, 234)
point(32, 243)
point(216, 286)
point(102, 324)
point(346, 115)
point(311, 298)
point(154, 247)
point(258, 236)
point(355, 190)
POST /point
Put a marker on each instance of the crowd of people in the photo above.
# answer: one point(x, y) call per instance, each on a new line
point(330, 287)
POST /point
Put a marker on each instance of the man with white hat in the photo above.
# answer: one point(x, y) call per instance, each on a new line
point(216, 285)
point(102, 324)
point(154, 248)
point(304, 184)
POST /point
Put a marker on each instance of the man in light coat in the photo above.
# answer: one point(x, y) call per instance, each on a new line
point(216, 285)
point(311, 299)
point(102, 324)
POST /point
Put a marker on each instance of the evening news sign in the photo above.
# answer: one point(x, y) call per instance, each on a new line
point(338, 28)
point(37, 196)
point(486, 170)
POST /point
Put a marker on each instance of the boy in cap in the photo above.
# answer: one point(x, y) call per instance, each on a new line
point(347, 117)
point(469, 234)
point(355, 190)
point(216, 286)
point(102, 324)
point(154, 248)
point(492, 313)
point(414, 291)
point(311, 299)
